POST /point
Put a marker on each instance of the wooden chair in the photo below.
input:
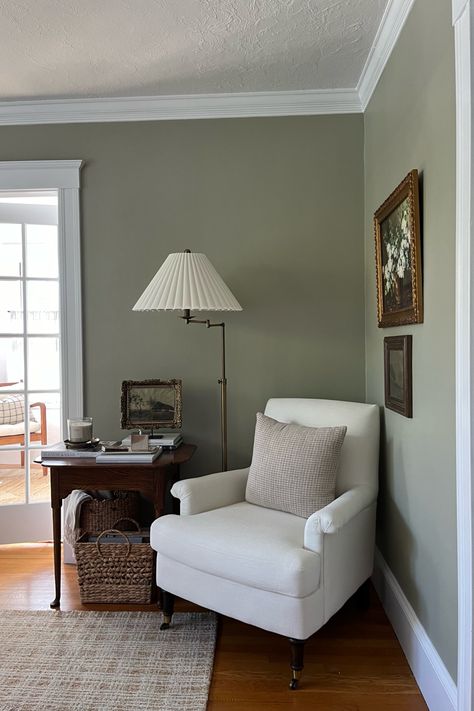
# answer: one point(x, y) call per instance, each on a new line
point(15, 434)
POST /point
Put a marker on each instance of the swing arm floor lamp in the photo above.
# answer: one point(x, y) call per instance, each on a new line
point(187, 281)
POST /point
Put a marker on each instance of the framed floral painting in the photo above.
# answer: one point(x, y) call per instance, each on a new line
point(398, 256)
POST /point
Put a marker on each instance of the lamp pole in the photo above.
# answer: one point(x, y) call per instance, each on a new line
point(222, 381)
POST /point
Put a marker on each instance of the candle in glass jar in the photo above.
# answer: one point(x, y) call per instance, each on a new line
point(79, 429)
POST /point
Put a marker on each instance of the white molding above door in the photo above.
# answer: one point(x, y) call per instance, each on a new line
point(39, 174)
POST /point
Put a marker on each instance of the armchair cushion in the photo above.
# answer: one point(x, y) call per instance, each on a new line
point(294, 467)
point(253, 546)
point(12, 410)
point(18, 429)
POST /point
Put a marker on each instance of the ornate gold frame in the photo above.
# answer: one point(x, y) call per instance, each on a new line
point(174, 422)
point(408, 188)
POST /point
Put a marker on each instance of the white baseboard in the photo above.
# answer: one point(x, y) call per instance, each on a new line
point(434, 680)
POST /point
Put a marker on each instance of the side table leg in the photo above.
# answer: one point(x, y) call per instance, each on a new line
point(57, 554)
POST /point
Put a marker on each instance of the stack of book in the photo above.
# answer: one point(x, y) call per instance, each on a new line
point(60, 451)
point(103, 453)
point(168, 440)
point(124, 455)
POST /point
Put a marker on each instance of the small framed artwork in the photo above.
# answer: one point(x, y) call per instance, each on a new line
point(398, 374)
point(151, 404)
point(398, 256)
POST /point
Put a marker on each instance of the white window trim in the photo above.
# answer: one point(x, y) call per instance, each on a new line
point(63, 176)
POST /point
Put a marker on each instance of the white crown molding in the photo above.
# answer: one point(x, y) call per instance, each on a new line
point(434, 680)
point(458, 8)
point(389, 29)
point(193, 106)
point(204, 106)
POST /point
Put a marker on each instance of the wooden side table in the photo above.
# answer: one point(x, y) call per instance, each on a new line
point(151, 480)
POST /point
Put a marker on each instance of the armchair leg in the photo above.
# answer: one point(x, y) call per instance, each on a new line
point(297, 655)
point(168, 609)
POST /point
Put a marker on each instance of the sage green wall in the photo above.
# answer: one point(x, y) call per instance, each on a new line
point(276, 204)
point(410, 123)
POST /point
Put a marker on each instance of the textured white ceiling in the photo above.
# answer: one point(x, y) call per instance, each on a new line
point(107, 48)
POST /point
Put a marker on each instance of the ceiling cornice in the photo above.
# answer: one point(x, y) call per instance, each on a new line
point(235, 105)
point(458, 8)
point(385, 40)
point(194, 106)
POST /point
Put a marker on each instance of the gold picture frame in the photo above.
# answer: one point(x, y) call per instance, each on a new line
point(398, 256)
point(151, 404)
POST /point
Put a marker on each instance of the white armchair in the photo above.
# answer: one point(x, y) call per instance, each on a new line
point(268, 568)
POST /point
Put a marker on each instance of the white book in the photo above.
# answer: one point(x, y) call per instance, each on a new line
point(168, 440)
point(128, 457)
point(60, 451)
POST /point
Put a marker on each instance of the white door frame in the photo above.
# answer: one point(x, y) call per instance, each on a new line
point(64, 177)
point(463, 21)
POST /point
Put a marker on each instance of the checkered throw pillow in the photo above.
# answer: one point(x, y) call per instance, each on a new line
point(12, 410)
point(293, 467)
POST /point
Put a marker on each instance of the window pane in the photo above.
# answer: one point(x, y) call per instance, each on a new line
point(12, 478)
point(45, 418)
point(10, 250)
point(39, 479)
point(41, 251)
point(11, 307)
point(43, 306)
point(11, 362)
point(43, 363)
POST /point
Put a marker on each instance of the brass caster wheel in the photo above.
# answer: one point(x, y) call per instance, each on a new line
point(293, 684)
point(166, 622)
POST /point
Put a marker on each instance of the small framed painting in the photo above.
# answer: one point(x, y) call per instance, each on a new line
point(398, 374)
point(151, 404)
point(398, 256)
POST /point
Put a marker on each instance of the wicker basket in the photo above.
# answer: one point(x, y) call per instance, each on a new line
point(101, 514)
point(115, 572)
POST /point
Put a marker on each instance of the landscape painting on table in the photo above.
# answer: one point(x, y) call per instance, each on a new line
point(398, 256)
point(151, 404)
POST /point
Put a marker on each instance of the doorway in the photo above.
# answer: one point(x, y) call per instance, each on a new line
point(40, 336)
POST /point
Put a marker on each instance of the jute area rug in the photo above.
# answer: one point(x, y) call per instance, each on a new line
point(105, 661)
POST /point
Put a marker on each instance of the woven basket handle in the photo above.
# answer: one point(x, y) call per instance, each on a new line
point(119, 520)
point(112, 530)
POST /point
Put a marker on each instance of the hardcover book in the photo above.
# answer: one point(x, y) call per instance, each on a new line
point(60, 451)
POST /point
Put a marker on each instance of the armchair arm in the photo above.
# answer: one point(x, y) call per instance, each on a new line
point(42, 408)
point(337, 514)
point(209, 492)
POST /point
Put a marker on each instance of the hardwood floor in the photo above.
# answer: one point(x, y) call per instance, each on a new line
point(12, 485)
point(354, 663)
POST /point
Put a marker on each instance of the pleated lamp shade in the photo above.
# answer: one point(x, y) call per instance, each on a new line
point(187, 280)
